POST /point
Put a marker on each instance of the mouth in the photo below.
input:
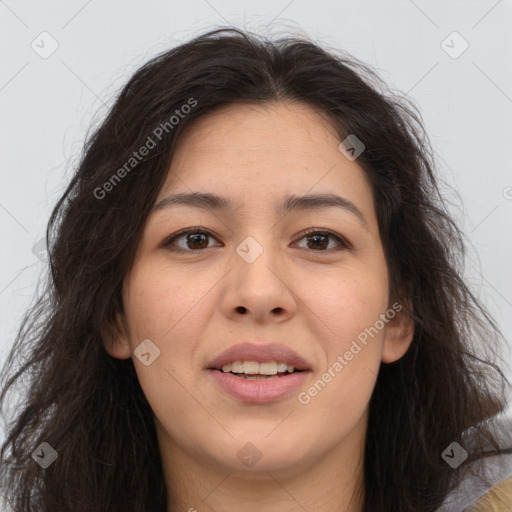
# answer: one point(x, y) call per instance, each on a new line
point(255, 388)
point(253, 370)
point(252, 373)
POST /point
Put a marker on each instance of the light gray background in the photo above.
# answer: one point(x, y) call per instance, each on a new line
point(47, 105)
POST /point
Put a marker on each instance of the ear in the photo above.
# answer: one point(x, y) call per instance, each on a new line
point(114, 334)
point(398, 335)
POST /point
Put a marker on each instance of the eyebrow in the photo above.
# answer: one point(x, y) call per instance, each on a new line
point(209, 201)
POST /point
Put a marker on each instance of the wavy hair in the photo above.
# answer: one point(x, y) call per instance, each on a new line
point(89, 406)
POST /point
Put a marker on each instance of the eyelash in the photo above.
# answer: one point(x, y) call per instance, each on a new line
point(344, 244)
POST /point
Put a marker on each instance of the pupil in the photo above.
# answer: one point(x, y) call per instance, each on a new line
point(193, 239)
point(316, 237)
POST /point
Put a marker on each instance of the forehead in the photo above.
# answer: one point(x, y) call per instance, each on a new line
point(254, 131)
point(252, 153)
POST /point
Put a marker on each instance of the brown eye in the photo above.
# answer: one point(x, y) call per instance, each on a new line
point(194, 239)
point(197, 239)
point(319, 240)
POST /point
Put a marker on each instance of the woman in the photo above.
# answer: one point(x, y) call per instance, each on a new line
point(255, 301)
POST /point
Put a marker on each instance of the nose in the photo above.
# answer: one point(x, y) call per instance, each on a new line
point(259, 289)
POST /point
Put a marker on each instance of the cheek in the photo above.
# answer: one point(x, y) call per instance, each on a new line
point(347, 309)
point(172, 309)
point(163, 303)
point(347, 301)
point(167, 309)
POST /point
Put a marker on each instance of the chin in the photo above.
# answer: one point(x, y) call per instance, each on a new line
point(259, 453)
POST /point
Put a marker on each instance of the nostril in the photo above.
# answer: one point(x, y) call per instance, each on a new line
point(241, 309)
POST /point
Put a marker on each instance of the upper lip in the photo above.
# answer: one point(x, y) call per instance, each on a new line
point(259, 353)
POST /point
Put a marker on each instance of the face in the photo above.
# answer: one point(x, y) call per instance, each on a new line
point(310, 280)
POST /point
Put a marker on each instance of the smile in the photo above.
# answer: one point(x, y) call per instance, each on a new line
point(258, 388)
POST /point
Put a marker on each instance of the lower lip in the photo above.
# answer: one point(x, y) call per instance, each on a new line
point(261, 391)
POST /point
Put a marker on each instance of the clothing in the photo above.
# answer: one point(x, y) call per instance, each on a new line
point(492, 492)
point(498, 499)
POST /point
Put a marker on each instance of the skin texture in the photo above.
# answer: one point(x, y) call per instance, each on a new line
point(314, 300)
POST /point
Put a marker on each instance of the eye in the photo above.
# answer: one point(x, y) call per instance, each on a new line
point(195, 240)
point(319, 240)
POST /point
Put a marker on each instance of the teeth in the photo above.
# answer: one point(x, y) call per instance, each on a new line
point(269, 368)
point(250, 367)
point(235, 367)
point(254, 368)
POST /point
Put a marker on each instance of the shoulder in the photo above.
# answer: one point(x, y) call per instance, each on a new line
point(497, 499)
point(488, 481)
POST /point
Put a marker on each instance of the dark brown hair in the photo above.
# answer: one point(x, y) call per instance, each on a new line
point(90, 407)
